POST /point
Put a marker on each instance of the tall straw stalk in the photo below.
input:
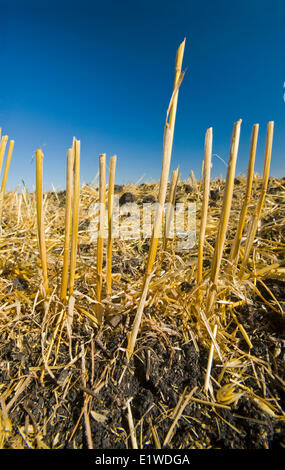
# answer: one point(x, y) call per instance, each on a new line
point(111, 184)
point(68, 222)
point(3, 144)
point(100, 240)
point(170, 207)
point(250, 172)
point(258, 209)
point(5, 177)
point(205, 202)
point(167, 149)
point(225, 214)
point(75, 214)
point(40, 217)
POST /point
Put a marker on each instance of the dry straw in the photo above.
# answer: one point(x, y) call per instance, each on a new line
point(100, 240)
point(170, 207)
point(5, 176)
point(204, 211)
point(210, 361)
point(225, 214)
point(258, 209)
point(167, 149)
point(40, 217)
point(236, 242)
point(3, 144)
point(75, 214)
point(111, 184)
point(68, 222)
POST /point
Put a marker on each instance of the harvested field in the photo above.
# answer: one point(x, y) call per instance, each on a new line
point(68, 384)
point(149, 341)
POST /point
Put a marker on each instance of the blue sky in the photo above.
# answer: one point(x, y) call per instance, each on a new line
point(103, 72)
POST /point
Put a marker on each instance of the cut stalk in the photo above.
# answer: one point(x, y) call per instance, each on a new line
point(68, 222)
point(194, 183)
point(178, 416)
point(5, 176)
point(3, 144)
point(202, 175)
point(167, 149)
point(236, 243)
point(225, 214)
point(170, 207)
point(227, 202)
point(40, 218)
point(100, 240)
point(204, 210)
point(111, 184)
point(210, 361)
point(258, 209)
point(131, 426)
point(75, 214)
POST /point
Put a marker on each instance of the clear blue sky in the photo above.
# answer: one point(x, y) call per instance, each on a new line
point(103, 71)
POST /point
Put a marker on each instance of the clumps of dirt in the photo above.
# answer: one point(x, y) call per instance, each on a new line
point(168, 374)
point(127, 198)
point(126, 266)
point(244, 428)
point(186, 286)
point(20, 283)
point(214, 194)
point(188, 188)
point(118, 188)
point(149, 199)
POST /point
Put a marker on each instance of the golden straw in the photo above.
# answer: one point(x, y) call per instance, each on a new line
point(5, 176)
point(170, 207)
point(111, 184)
point(258, 209)
point(3, 144)
point(225, 214)
point(68, 222)
point(204, 210)
point(75, 214)
point(250, 172)
point(100, 240)
point(40, 218)
point(167, 149)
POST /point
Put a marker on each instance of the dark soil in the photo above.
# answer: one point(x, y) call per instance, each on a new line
point(153, 380)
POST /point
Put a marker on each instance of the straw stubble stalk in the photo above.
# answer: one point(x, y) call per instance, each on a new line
point(5, 176)
point(40, 217)
point(68, 222)
point(178, 67)
point(202, 175)
point(100, 240)
point(210, 361)
point(179, 411)
point(75, 213)
point(225, 214)
point(258, 209)
point(236, 243)
point(205, 202)
point(167, 149)
point(227, 202)
point(170, 207)
point(3, 144)
point(111, 184)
